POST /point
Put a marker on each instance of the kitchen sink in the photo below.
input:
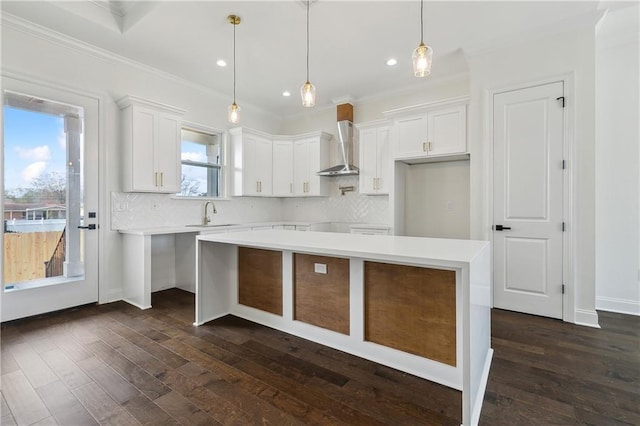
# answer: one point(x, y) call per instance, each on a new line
point(211, 225)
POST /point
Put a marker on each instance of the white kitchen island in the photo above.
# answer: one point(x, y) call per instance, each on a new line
point(420, 305)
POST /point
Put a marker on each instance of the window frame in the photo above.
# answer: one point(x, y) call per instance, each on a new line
point(223, 184)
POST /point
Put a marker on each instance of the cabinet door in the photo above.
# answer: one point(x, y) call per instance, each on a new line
point(143, 129)
point(314, 165)
point(263, 163)
point(447, 131)
point(300, 167)
point(411, 137)
point(250, 185)
point(282, 168)
point(383, 161)
point(168, 154)
point(368, 160)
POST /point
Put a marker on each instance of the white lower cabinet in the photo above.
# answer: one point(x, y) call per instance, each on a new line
point(375, 159)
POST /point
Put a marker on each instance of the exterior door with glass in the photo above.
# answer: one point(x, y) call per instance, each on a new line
point(50, 199)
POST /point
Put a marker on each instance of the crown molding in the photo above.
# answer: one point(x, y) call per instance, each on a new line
point(25, 26)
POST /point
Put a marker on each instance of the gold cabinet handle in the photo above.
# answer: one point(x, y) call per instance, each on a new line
point(429, 146)
point(260, 186)
point(162, 179)
point(257, 186)
point(424, 146)
point(155, 179)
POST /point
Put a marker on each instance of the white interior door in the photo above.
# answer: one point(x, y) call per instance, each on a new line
point(528, 199)
point(50, 239)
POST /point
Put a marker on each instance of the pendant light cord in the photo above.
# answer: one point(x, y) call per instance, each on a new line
point(421, 21)
point(234, 62)
point(307, 40)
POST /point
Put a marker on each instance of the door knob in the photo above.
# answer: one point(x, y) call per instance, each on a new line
point(90, 226)
point(502, 228)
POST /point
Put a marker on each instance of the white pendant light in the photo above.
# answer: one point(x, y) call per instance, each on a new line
point(423, 54)
point(233, 112)
point(308, 90)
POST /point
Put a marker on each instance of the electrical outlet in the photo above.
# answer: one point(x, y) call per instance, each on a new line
point(320, 268)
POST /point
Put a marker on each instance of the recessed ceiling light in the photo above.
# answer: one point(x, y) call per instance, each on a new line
point(221, 63)
point(286, 93)
point(391, 62)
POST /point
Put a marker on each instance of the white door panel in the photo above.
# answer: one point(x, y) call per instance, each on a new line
point(528, 200)
point(73, 278)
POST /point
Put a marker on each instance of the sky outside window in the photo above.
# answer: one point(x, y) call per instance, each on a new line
point(34, 145)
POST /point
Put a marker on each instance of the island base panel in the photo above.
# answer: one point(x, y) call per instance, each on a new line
point(322, 299)
point(411, 309)
point(260, 279)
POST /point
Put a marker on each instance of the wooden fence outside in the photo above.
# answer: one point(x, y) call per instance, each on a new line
point(25, 254)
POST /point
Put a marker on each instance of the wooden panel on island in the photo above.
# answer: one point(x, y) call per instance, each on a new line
point(411, 309)
point(322, 299)
point(260, 279)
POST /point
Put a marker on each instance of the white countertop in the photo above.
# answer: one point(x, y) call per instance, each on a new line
point(427, 251)
point(181, 229)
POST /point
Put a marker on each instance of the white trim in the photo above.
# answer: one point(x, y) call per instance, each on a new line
point(420, 108)
point(569, 214)
point(621, 306)
point(113, 295)
point(477, 406)
point(587, 318)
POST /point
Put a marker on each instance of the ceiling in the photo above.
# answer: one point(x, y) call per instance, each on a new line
point(350, 40)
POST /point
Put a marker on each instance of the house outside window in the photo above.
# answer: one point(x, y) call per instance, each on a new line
point(202, 165)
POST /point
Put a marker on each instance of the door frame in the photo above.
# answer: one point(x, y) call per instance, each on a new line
point(105, 295)
point(568, 190)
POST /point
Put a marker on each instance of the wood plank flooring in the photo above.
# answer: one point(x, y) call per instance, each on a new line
point(117, 365)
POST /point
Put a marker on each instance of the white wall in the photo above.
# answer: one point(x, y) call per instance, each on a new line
point(531, 61)
point(617, 159)
point(437, 200)
point(36, 54)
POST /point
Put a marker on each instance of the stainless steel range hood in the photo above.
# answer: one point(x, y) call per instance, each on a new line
point(345, 146)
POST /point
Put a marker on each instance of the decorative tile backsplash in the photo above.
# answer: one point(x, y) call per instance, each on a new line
point(135, 210)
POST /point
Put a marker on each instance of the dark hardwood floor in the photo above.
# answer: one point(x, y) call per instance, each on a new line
point(115, 364)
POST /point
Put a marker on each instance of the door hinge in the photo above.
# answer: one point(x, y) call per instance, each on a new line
point(562, 99)
point(562, 288)
point(564, 164)
point(563, 227)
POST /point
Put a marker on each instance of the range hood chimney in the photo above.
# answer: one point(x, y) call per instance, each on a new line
point(345, 144)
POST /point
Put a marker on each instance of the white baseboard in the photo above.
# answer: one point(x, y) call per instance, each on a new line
point(587, 318)
point(622, 306)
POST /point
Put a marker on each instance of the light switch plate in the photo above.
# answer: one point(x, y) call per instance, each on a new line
point(320, 268)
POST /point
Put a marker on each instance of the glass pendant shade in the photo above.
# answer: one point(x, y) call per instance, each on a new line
point(422, 60)
point(233, 113)
point(308, 93)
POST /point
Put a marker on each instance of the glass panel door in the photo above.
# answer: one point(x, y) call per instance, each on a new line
point(47, 211)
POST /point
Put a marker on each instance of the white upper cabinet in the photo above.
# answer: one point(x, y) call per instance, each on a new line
point(252, 163)
point(151, 146)
point(310, 155)
point(282, 168)
point(447, 131)
point(375, 159)
point(278, 166)
point(438, 132)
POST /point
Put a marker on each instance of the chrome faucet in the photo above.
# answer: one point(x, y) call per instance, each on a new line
point(206, 219)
